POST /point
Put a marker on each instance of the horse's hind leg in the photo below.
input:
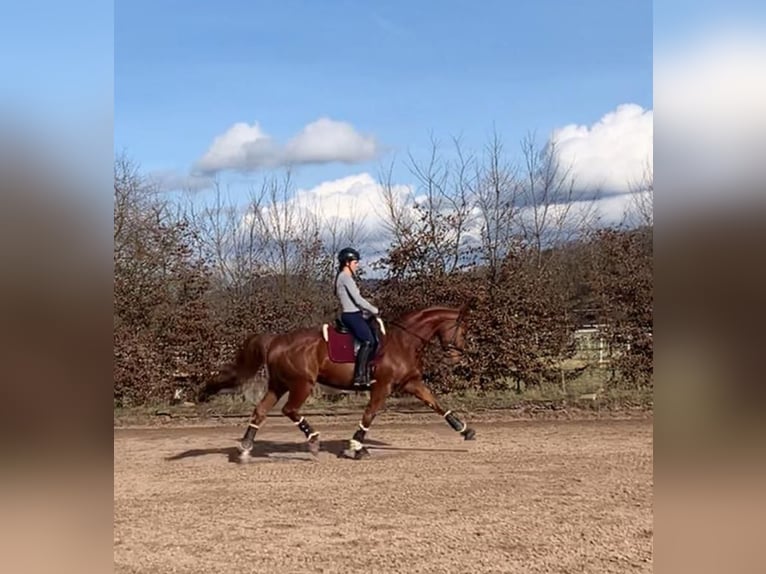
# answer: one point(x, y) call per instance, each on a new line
point(273, 394)
point(417, 388)
point(295, 400)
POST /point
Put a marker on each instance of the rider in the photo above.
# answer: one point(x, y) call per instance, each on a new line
point(352, 305)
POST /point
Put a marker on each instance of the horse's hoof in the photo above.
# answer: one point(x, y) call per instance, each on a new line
point(314, 446)
point(357, 454)
point(469, 434)
point(245, 445)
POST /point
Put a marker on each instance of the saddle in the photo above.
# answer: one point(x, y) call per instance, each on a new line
point(342, 346)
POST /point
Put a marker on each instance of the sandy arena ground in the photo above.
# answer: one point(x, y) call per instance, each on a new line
point(525, 496)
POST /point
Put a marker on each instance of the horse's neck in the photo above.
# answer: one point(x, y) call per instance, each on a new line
point(424, 324)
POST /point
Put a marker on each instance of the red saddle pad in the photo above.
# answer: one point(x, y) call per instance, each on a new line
point(340, 346)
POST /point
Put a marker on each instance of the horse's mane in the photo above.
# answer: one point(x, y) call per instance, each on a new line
point(411, 315)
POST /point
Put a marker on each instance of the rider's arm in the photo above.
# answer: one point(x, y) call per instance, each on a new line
point(356, 296)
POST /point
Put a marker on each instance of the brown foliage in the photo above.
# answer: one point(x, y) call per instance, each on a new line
point(161, 320)
point(621, 281)
point(191, 284)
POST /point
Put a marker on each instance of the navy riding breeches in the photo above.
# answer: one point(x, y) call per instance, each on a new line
point(358, 326)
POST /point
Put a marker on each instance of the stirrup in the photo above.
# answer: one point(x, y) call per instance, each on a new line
point(362, 383)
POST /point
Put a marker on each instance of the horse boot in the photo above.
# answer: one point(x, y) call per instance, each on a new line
point(361, 372)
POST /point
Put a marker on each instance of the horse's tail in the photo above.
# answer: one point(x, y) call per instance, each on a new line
point(251, 356)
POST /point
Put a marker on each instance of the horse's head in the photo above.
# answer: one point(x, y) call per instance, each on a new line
point(451, 335)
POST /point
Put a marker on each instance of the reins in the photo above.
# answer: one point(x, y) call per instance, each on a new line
point(449, 346)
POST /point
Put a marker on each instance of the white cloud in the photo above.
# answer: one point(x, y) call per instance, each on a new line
point(237, 148)
point(246, 147)
point(326, 140)
point(610, 155)
point(618, 209)
point(171, 180)
point(352, 206)
point(355, 206)
point(358, 197)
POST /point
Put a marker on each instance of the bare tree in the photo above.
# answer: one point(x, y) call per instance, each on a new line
point(279, 221)
point(136, 205)
point(640, 210)
point(336, 231)
point(216, 226)
point(551, 215)
point(429, 234)
point(397, 214)
point(497, 200)
point(275, 231)
point(446, 210)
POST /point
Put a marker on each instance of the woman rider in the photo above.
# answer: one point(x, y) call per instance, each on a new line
point(352, 305)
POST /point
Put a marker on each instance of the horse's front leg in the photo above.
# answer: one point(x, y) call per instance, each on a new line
point(417, 388)
point(378, 394)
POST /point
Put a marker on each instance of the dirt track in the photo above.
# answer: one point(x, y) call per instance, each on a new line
point(526, 496)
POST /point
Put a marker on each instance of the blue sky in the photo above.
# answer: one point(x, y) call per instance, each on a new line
point(57, 58)
point(185, 72)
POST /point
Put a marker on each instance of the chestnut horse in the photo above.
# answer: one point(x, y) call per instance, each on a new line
point(299, 359)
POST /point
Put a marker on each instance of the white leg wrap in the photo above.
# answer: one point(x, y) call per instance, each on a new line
point(447, 414)
point(355, 445)
point(255, 426)
point(313, 435)
point(365, 429)
point(299, 422)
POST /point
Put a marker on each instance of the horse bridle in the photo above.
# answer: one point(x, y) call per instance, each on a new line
point(450, 347)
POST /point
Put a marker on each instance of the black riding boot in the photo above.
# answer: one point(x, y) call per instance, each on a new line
point(361, 375)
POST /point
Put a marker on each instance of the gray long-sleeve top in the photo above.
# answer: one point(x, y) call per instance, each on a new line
point(351, 299)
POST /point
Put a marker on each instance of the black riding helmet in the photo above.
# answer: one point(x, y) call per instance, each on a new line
point(347, 255)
